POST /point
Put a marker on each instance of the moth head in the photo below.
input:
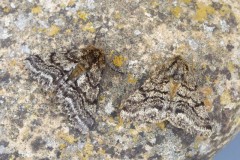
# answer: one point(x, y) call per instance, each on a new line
point(177, 69)
point(93, 56)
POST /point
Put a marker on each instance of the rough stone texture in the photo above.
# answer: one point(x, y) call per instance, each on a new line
point(137, 37)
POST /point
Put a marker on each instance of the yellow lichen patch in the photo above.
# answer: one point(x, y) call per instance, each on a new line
point(161, 125)
point(186, 1)
point(53, 30)
point(71, 3)
point(118, 60)
point(13, 63)
point(100, 140)
point(135, 138)
point(75, 20)
point(144, 128)
point(12, 157)
point(89, 27)
point(21, 99)
point(231, 67)
point(208, 104)
point(133, 132)
point(146, 155)
point(182, 48)
point(6, 9)
point(101, 151)
point(237, 19)
point(225, 10)
point(62, 146)
point(110, 120)
point(120, 26)
point(198, 140)
point(86, 152)
point(66, 137)
point(68, 31)
point(25, 133)
point(120, 123)
point(82, 15)
point(225, 98)
point(101, 98)
point(117, 15)
point(35, 29)
point(203, 11)
point(237, 120)
point(39, 29)
point(131, 79)
point(36, 10)
point(208, 78)
point(154, 3)
point(2, 91)
point(111, 52)
point(207, 91)
point(176, 11)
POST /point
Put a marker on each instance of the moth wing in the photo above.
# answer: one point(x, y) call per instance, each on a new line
point(47, 74)
point(146, 104)
point(189, 112)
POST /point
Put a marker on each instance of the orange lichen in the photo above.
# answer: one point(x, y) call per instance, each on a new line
point(36, 10)
point(198, 140)
point(237, 121)
point(186, 1)
point(71, 3)
point(6, 9)
point(133, 132)
point(118, 60)
point(176, 11)
point(68, 31)
point(67, 138)
point(208, 78)
point(87, 151)
point(231, 67)
point(225, 10)
point(208, 104)
point(62, 146)
point(203, 11)
point(110, 120)
point(117, 15)
point(12, 157)
point(207, 91)
point(82, 15)
point(131, 79)
point(161, 125)
point(13, 63)
point(225, 98)
point(89, 27)
point(120, 123)
point(53, 30)
point(120, 26)
point(154, 3)
point(101, 151)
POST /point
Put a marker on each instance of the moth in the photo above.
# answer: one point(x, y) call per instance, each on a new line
point(170, 94)
point(74, 75)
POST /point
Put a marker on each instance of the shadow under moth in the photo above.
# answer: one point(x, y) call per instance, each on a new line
point(170, 94)
point(75, 76)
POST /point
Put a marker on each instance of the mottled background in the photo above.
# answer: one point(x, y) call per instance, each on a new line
point(137, 36)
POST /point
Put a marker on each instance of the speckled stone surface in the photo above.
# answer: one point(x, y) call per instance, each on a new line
point(137, 36)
